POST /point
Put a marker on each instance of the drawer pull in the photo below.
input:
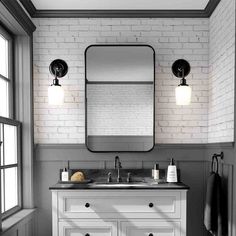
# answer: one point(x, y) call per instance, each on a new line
point(150, 234)
point(151, 205)
point(87, 234)
point(87, 205)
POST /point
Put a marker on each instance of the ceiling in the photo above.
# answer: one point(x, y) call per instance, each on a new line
point(120, 4)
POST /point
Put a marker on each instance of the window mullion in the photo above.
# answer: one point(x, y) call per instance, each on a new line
point(9, 166)
point(4, 78)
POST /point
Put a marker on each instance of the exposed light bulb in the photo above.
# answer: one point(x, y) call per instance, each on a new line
point(183, 95)
point(55, 95)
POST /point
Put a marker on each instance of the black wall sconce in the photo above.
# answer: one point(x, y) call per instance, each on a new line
point(58, 68)
point(183, 91)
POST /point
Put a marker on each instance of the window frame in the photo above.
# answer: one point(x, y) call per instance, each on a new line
point(12, 121)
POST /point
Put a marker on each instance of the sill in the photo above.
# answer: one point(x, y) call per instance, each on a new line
point(16, 218)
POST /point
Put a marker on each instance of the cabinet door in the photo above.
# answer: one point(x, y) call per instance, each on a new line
point(150, 228)
point(87, 228)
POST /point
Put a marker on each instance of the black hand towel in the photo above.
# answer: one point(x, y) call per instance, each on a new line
point(214, 209)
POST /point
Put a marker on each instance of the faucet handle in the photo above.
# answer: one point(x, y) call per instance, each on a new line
point(109, 179)
point(128, 177)
point(120, 166)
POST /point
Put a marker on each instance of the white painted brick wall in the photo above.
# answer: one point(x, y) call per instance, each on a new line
point(171, 38)
point(222, 73)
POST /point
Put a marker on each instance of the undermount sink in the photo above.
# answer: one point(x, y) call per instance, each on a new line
point(120, 184)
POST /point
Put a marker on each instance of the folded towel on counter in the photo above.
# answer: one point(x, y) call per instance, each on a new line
point(215, 217)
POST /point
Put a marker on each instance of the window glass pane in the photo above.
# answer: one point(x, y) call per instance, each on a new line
point(3, 56)
point(4, 98)
point(11, 188)
point(1, 139)
point(2, 191)
point(10, 144)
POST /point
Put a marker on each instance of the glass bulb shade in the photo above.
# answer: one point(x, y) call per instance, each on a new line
point(183, 95)
point(55, 95)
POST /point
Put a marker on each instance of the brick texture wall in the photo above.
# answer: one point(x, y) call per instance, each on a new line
point(171, 38)
point(222, 73)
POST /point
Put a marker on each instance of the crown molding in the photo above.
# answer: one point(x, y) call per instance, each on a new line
point(29, 6)
point(211, 6)
point(19, 14)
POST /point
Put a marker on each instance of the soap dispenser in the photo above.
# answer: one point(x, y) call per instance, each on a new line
point(172, 172)
point(64, 175)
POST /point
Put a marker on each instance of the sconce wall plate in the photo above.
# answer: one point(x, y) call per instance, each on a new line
point(179, 66)
point(58, 68)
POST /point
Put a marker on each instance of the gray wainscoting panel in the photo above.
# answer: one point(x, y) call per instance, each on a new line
point(50, 158)
point(192, 160)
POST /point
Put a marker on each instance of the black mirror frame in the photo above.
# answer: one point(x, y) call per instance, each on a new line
point(86, 83)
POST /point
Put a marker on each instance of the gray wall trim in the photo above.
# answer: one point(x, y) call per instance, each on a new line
point(120, 13)
point(159, 146)
point(18, 13)
point(59, 146)
point(161, 152)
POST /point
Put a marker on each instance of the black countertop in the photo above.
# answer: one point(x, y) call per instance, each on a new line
point(141, 179)
point(97, 186)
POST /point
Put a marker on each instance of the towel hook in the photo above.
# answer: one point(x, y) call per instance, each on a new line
point(221, 155)
point(215, 157)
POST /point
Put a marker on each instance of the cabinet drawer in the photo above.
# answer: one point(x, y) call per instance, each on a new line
point(132, 204)
point(87, 228)
point(150, 228)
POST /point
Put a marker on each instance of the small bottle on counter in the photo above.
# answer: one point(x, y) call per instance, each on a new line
point(172, 172)
point(64, 175)
point(155, 172)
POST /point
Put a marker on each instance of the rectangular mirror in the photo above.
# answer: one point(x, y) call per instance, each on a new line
point(119, 98)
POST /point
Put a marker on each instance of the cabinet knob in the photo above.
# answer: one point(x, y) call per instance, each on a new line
point(87, 234)
point(150, 234)
point(150, 205)
point(87, 205)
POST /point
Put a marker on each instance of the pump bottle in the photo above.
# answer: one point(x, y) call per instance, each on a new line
point(172, 172)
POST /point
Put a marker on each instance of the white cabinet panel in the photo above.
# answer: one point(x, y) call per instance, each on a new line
point(87, 228)
point(131, 204)
point(150, 228)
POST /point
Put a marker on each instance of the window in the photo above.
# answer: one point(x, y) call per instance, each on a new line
point(9, 132)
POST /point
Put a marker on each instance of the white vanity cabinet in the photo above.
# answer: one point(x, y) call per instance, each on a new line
point(119, 212)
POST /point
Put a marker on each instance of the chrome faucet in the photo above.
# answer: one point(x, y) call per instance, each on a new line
point(118, 167)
